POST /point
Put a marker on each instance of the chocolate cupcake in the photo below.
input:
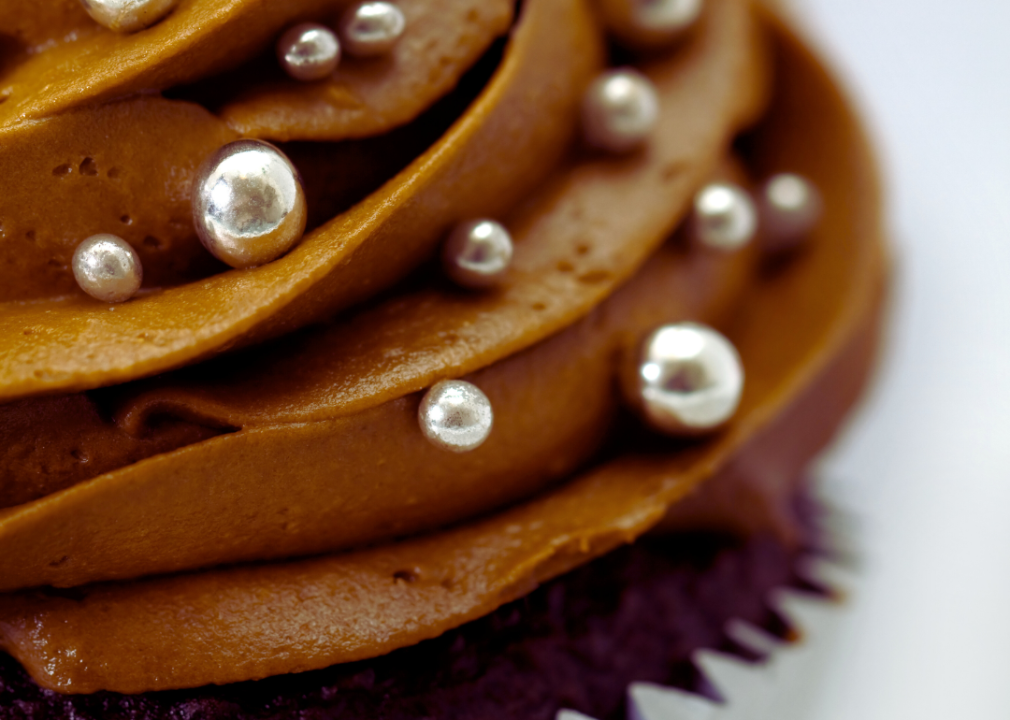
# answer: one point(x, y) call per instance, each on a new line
point(401, 321)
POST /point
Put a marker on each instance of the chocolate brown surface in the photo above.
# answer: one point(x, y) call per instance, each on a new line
point(47, 444)
point(577, 642)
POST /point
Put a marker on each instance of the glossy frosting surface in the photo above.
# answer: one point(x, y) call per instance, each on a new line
point(308, 444)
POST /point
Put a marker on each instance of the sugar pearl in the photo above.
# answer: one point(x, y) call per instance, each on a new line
point(107, 268)
point(455, 415)
point(248, 204)
point(371, 28)
point(790, 208)
point(650, 23)
point(477, 253)
point(724, 217)
point(619, 110)
point(668, 17)
point(690, 379)
point(308, 51)
point(126, 16)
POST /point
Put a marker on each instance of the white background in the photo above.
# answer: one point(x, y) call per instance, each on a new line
point(926, 466)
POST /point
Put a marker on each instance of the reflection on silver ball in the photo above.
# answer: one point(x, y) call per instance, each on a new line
point(653, 21)
point(309, 51)
point(690, 379)
point(371, 28)
point(248, 204)
point(455, 415)
point(724, 217)
point(477, 253)
point(790, 208)
point(650, 24)
point(127, 16)
point(107, 268)
point(619, 110)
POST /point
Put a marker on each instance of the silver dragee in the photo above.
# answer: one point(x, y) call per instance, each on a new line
point(477, 253)
point(455, 415)
point(107, 268)
point(650, 24)
point(790, 207)
point(690, 379)
point(724, 217)
point(667, 17)
point(127, 16)
point(248, 204)
point(308, 51)
point(619, 110)
point(371, 28)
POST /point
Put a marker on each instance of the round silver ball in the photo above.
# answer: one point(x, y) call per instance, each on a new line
point(790, 206)
point(127, 16)
point(650, 23)
point(477, 253)
point(107, 268)
point(371, 28)
point(666, 17)
point(455, 415)
point(619, 110)
point(309, 51)
point(690, 379)
point(248, 204)
point(724, 217)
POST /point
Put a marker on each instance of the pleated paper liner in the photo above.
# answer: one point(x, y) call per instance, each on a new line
point(778, 673)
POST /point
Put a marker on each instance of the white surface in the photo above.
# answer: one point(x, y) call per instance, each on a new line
point(927, 466)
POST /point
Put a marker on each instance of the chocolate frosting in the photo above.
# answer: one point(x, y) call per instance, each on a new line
point(553, 53)
point(290, 480)
point(637, 614)
point(308, 445)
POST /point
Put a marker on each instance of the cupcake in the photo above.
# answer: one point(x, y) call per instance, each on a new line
point(427, 359)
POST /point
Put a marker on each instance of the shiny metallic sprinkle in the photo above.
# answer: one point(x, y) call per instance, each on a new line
point(689, 379)
point(477, 253)
point(127, 16)
point(455, 415)
point(669, 17)
point(650, 23)
point(308, 51)
point(791, 207)
point(724, 217)
point(371, 28)
point(248, 204)
point(619, 110)
point(107, 268)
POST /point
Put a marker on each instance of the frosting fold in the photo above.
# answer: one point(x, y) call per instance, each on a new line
point(532, 101)
point(312, 445)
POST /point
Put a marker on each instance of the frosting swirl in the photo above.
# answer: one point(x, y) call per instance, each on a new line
point(309, 444)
